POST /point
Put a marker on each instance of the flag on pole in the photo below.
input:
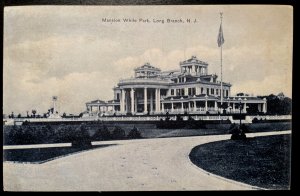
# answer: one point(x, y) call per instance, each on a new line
point(220, 36)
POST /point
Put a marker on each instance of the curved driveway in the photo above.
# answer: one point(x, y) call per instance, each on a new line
point(149, 164)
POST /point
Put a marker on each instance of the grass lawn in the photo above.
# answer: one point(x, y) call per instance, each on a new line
point(41, 155)
point(260, 161)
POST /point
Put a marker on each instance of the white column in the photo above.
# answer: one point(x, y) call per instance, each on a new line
point(155, 95)
point(122, 100)
point(132, 100)
point(233, 107)
point(172, 107)
point(157, 100)
point(126, 104)
point(206, 104)
point(162, 107)
point(216, 106)
point(145, 100)
point(265, 107)
point(182, 107)
point(189, 106)
point(151, 101)
point(197, 90)
point(195, 106)
point(135, 102)
point(245, 107)
point(186, 91)
point(159, 108)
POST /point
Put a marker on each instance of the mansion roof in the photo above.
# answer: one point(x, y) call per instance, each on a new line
point(96, 101)
point(192, 70)
point(193, 59)
point(147, 67)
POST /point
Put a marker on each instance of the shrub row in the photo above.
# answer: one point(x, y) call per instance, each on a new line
point(41, 134)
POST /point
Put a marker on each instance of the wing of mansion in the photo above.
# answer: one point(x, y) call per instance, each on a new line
point(190, 90)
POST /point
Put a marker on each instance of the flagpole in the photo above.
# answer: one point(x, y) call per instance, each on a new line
point(221, 66)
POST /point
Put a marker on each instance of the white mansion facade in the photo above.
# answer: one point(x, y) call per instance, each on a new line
point(189, 90)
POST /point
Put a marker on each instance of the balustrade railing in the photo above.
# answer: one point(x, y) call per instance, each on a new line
point(152, 118)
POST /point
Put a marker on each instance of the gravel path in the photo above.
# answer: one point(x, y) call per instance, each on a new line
point(150, 164)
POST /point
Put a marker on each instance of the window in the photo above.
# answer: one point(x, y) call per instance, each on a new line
point(177, 92)
point(118, 96)
point(193, 91)
point(201, 90)
point(189, 91)
point(226, 93)
point(207, 91)
point(212, 91)
point(182, 91)
point(172, 91)
point(217, 91)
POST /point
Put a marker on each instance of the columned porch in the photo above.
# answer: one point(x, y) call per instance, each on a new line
point(138, 101)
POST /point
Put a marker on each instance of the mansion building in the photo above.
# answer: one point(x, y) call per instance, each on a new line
point(190, 90)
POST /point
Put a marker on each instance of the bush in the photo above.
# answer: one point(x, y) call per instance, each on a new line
point(179, 118)
point(244, 128)
point(255, 120)
point(134, 134)
point(118, 133)
point(80, 137)
point(102, 134)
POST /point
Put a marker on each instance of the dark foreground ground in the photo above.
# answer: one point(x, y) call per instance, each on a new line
point(41, 155)
point(260, 161)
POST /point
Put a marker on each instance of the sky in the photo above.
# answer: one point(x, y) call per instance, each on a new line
point(68, 51)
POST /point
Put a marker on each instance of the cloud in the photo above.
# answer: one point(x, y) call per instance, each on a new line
point(60, 55)
point(73, 91)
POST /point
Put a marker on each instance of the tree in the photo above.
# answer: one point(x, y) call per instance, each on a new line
point(19, 116)
point(280, 106)
point(102, 134)
point(118, 133)
point(134, 134)
point(81, 137)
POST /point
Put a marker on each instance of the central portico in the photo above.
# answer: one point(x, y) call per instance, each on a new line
point(141, 94)
point(141, 99)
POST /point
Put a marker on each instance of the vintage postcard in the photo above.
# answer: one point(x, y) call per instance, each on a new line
point(146, 98)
